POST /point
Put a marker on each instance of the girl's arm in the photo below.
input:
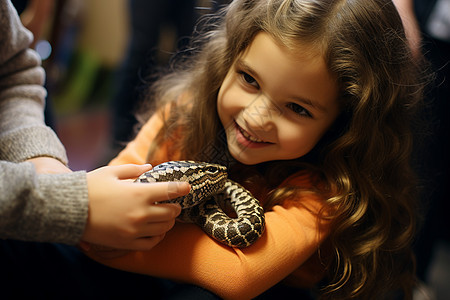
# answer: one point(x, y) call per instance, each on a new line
point(293, 234)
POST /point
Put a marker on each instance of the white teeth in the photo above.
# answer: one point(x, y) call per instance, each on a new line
point(249, 137)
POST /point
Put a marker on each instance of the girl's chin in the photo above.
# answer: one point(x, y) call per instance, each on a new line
point(242, 157)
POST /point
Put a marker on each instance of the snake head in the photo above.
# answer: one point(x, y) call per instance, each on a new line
point(206, 179)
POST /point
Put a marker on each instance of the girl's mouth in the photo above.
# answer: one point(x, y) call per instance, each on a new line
point(246, 139)
point(249, 137)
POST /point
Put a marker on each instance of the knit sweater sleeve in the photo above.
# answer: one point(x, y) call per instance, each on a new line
point(47, 208)
point(42, 208)
point(23, 133)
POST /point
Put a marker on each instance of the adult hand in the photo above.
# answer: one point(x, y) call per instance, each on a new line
point(123, 214)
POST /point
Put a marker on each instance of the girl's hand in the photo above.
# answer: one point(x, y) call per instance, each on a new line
point(123, 214)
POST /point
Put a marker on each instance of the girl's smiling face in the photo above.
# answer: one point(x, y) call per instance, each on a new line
point(276, 104)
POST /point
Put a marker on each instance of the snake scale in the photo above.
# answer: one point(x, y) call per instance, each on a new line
point(211, 191)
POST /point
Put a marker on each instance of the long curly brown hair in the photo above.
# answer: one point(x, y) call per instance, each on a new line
point(364, 158)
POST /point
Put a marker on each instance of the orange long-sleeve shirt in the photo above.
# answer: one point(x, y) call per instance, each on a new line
point(288, 248)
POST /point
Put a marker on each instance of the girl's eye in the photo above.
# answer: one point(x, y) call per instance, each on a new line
point(299, 110)
point(248, 79)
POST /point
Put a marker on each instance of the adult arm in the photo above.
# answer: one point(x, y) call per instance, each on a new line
point(33, 207)
point(55, 207)
point(23, 133)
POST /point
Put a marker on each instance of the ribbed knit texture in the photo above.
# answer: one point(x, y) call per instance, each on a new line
point(45, 208)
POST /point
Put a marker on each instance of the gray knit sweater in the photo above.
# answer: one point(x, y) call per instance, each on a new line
point(48, 208)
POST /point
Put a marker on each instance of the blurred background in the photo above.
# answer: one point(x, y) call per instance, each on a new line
point(100, 55)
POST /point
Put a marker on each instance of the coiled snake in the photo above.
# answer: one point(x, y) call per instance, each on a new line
point(211, 190)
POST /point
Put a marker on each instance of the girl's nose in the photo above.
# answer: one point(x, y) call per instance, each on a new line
point(260, 113)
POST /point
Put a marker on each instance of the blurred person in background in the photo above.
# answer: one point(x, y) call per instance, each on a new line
point(427, 25)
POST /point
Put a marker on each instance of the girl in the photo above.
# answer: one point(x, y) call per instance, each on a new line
point(309, 104)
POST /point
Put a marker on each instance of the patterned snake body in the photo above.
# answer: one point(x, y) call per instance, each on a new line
point(211, 191)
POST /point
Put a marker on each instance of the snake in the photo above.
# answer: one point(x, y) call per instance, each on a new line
point(211, 194)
